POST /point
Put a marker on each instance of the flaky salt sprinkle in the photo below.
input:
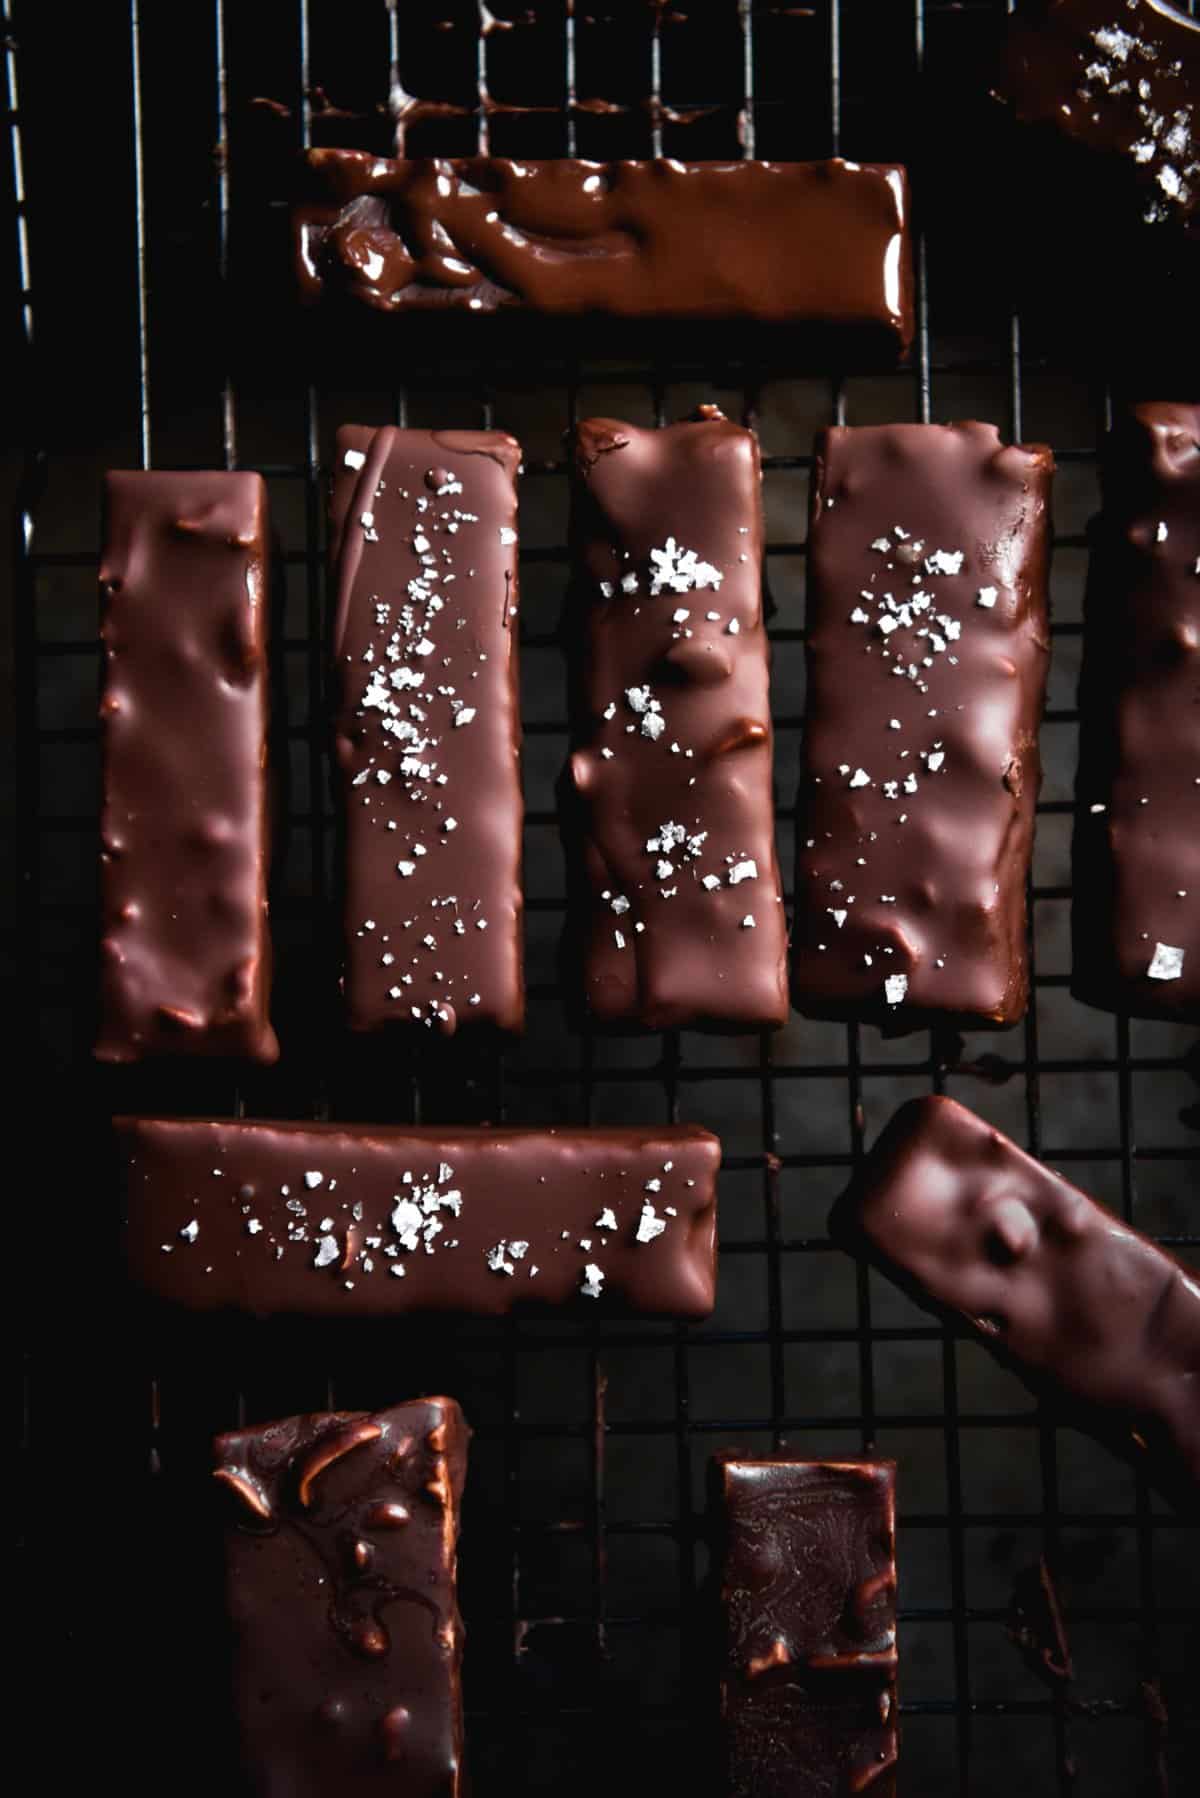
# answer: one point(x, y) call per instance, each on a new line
point(1166, 963)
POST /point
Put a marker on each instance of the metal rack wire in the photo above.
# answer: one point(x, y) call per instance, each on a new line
point(584, 1546)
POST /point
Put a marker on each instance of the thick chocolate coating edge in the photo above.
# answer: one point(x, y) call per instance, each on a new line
point(372, 1221)
point(1136, 855)
point(927, 649)
point(185, 830)
point(808, 1661)
point(427, 727)
point(341, 1549)
point(824, 243)
point(675, 913)
point(1091, 1315)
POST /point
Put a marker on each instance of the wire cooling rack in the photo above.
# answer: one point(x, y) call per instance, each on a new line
point(584, 1549)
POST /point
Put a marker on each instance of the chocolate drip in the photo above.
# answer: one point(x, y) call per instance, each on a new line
point(822, 243)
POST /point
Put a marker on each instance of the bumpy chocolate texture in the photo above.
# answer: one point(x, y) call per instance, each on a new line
point(427, 726)
point(1088, 1312)
point(927, 653)
point(1136, 913)
point(185, 954)
point(822, 243)
point(1121, 79)
point(808, 1594)
point(340, 1553)
point(675, 904)
point(352, 1220)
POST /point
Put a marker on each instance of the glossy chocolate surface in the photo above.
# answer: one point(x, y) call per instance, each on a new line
point(1088, 1312)
point(675, 903)
point(362, 1220)
point(427, 727)
point(820, 243)
point(808, 1596)
point(1136, 913)
point(185, 954)
point(927, 651)
point(340, 1554)
point(1120, 78)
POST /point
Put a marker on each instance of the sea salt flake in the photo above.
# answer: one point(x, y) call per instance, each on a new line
point(327, 1251)
point(986, 597)
point(1166, 963)
point(649, 1224)
point(593, 1281)
point(354, 459)
point(895, 987)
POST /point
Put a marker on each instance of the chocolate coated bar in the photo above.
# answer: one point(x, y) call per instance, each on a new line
point(927, 651)
point(340, 1552)
point(185, 954)
point(1136, 912)
point(820, 243)
point(675, 904)
point(358, 1220)
point(427, 726)
point(808, 1597)
point(1084, 1309)
point(1119, 79)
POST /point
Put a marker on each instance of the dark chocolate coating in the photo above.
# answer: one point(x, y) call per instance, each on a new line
point(1137, 828)
point(185, 834)
point(651, 814)
point(340, 1554)
point(821, 243)
point(1120, 79)
point(427, 730)
point(808, 1595)
point(934, 678)
point(302, 1218)
point(1086, 1311)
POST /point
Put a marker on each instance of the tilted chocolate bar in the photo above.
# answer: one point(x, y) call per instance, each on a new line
point(185, 954)
point(360, 1220)
point(1136, 911)
point(1120, 79)
point(1088, 1312)
point(927, 652)
point(808, 1597)
point(675, 904)
point(822, 243)
point(428, 730)
point(340, 1553)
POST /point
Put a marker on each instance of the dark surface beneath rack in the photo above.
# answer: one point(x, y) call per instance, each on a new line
point(151, 153)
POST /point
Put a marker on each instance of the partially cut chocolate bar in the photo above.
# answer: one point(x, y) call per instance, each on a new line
point(361, 1220)
point(808, 1614)
point(340, 1554)
point(1136, 910)
point(185, 953)
point(1119, 79)
point(1091, 1315)
point(675, 906)
point(927, 652)
point(816, 243)
point(428, 732)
